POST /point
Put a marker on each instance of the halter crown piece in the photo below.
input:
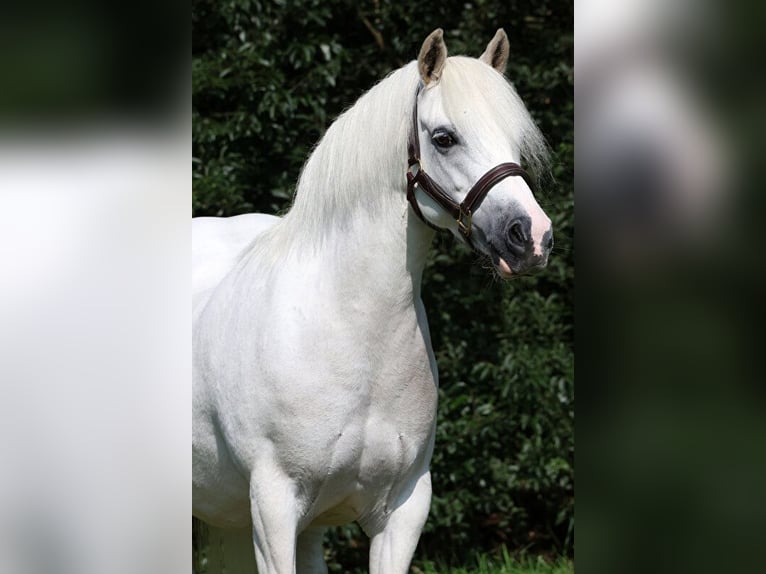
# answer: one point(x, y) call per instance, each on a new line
point(462, 212)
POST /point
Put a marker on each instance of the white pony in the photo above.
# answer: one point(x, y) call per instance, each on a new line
point(315, 384)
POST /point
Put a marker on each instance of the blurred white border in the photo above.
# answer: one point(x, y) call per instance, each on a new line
point(95, 339)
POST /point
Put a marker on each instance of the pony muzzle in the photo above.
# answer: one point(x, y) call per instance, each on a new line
point(520, 245)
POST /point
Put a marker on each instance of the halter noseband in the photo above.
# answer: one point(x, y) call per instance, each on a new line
point(462, 212)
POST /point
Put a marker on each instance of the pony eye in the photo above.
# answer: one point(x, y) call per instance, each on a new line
point(443, 139)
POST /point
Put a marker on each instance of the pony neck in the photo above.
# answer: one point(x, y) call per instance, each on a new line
point(350, 209)
point(381, 259)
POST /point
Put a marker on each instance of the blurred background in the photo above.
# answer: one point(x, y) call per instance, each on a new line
point(95, 137)
point(670, 451)
point(268, 79)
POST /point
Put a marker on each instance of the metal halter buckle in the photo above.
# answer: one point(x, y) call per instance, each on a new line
point(464, 222)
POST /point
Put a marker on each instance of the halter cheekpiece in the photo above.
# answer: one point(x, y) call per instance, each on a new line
point(462, 212)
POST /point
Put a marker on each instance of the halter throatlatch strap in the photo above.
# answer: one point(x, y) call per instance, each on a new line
point(462, 212)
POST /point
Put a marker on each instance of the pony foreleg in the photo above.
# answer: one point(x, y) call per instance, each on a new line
point(392, 547)
point(311, 552)
point(274, 511)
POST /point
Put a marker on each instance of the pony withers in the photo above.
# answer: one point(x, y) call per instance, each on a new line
point(315, 384)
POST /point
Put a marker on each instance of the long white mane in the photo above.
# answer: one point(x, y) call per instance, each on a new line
point(360, 161)
point(362, 156)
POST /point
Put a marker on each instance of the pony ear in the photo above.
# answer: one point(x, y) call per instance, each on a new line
point(433, 55)
point(496, 54)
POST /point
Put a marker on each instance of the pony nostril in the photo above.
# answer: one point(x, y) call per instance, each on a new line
point(549, 241)
point(516, 234)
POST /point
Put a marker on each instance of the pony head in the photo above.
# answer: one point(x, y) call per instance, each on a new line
point(469, 120)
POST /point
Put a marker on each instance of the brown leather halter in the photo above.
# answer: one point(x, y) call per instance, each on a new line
point(462, 212)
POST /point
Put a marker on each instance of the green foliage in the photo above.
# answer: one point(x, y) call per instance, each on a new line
point(504, 457)
point(268, 78)
point(503, 564)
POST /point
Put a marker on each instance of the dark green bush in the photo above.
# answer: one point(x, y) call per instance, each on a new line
point(268, 78)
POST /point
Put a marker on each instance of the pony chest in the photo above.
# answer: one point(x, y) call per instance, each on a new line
point(375, 441)
point(391, 452)
point(368, 474)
